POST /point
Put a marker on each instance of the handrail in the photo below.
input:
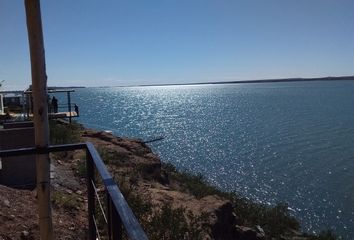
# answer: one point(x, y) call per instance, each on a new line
point(65, 105)
point(37, 150)
point(118, 211)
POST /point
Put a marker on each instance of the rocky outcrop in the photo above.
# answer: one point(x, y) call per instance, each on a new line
point(134, 162)
point(155, 185)
point(224, 221)
point(131, 153)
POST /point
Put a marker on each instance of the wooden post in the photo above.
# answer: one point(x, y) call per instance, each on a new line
point(69, 105)
point(40, 115)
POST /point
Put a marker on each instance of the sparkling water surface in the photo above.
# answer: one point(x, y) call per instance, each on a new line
point(271, 142)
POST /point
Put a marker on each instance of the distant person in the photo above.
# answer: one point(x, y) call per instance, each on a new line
point(55, 104)
point(76, 109)
point(50, 106)
point(31, 100)
point(7, 116)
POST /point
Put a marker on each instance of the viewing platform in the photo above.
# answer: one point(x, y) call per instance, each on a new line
point(19, 104)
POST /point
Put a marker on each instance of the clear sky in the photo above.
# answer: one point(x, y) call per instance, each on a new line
point(125, 42)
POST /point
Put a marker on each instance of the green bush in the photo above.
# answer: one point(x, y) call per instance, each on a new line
point(65, 200)
point(81, 170)
point(195, 185)
point(275, 220)
point(169, 223)
point(61, 133)
point(113, 157)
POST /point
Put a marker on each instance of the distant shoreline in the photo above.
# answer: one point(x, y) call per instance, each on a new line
point(279, 80)
point(347, 78)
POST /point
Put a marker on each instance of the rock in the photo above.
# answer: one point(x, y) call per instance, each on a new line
point(163, 178)
point(222, 219)
point(68, 191)
point(151, 170)
point(101, 135)
point(247, 233)
point(217, 213)
point(7, 203)
point(260, 232)
point(25, 235)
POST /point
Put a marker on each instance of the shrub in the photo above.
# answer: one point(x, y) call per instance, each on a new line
point(168, 223)
point(61, 133)
point(162, 222)
point(113, 157)
point(81, 170)
point(67, 201)
point(195, 185)
point(274, 220)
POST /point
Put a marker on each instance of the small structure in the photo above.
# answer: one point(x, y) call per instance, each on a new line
point(20, 104)
point(13, 100)
point(66, 110)
point(12, 105)
point(17, 172)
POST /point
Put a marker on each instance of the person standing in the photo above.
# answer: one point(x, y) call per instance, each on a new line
point(55, 104)
point(49, 104)
point(76, 109)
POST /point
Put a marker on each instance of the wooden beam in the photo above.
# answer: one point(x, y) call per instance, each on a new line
point(40, 115)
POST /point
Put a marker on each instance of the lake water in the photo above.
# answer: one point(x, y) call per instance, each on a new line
point(271, 142)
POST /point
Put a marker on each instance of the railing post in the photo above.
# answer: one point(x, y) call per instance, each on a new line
point(69, 105)
point(90, 176)
point(117, 230)
point(114, 223)
point(109, 215)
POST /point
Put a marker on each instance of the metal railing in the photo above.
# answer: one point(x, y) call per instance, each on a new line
point(117, 213)
point(65, 108)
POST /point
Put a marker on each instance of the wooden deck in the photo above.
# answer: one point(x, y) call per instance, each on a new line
point(62, 114)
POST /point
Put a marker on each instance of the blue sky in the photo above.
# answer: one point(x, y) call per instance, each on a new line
point(103, 43)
